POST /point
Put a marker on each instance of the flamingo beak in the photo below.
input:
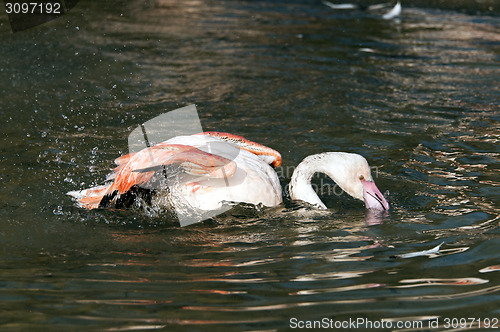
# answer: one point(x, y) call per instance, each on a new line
point(373, 197)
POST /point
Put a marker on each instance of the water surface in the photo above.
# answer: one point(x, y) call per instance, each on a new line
point(417, 96)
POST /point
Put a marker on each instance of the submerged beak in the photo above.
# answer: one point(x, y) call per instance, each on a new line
point(373, 197)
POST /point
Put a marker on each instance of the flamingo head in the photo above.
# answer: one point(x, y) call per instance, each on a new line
point(352, 173)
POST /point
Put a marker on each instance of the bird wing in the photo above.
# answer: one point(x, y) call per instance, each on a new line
point(142, 165)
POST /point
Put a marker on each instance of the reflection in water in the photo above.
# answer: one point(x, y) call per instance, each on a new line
point(337, 289)
point(273, 307)
point(332, 275)
point(492, 268)
point(376, 217)
point(435, 281)
point(454, 296)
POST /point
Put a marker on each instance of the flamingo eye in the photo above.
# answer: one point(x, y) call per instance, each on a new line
point(361, 177)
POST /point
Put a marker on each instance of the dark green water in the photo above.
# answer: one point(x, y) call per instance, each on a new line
point(417, 96)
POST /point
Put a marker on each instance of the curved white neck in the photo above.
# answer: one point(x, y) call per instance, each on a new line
point(300, 185)
point(341, 167)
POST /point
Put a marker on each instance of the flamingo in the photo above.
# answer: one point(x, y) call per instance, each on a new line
point(211, 168)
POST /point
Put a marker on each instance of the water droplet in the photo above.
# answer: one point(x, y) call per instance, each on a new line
point(58, 210)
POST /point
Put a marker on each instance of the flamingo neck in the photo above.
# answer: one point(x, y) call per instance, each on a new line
point(300, 185)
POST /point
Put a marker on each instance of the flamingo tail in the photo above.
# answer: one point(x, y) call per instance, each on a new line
point(90, 198)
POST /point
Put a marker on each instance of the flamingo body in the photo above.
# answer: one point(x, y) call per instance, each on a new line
point(198, 172)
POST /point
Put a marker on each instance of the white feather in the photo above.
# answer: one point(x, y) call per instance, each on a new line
point(254, 181)
point(394, 12)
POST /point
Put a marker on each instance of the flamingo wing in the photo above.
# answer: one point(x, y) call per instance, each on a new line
point(142, 165)
point(267, 154)
point(138, 168)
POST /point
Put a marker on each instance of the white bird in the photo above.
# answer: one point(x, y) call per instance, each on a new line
point(201, 172)
point(348, 170)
